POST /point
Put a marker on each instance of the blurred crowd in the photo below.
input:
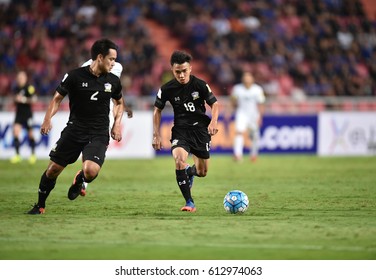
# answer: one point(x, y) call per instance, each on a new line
point(311, 48)
point(48, 38)
point(296, 48)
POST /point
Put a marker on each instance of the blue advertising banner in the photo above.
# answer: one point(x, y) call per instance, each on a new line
point(289, 134)
point(279, 134)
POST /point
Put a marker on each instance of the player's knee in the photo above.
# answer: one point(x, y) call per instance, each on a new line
point(53, 171)
point(180, 163)
point(90, 174)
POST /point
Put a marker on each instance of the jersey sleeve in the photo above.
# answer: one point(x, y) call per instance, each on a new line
point(160, 102)
point(209, 96)
point(30, 90)
point(117, 93)
point(65, 85)
point(89, 62)
point(117, 69)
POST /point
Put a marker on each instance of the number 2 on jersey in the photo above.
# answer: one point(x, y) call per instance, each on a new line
point(94, 96)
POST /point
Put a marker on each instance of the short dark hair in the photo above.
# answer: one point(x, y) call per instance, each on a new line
point(180, 57)
point(102, 47)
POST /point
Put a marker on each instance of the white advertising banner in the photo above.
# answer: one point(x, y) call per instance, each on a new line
point(136, 142)
point(347, 134)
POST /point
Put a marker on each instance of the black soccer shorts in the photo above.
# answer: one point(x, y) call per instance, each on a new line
point(195, 141)
point(26, 120)
point(73, 142)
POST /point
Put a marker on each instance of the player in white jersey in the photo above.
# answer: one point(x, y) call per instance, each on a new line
point(248, 99)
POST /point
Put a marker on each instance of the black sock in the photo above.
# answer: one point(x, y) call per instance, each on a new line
point(32, 145)
point(191, 170)
point(81, 178)
point(183, 183)
point(17, 145)
point(46, 185)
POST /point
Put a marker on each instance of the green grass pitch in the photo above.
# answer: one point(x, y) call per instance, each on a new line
point(301, 207)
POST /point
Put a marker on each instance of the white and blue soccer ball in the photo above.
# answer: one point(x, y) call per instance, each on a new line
point(235, 202)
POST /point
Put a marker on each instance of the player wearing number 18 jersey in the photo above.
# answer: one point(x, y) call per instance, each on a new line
point(192, 130)
point(90, 90)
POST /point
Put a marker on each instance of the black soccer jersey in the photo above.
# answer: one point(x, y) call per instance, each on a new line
point(188, 101)
point(24, 109)
point(89, 98)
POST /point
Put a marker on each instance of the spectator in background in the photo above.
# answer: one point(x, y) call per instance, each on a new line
point(280, 34)
point(44, 32)
point(25, 96)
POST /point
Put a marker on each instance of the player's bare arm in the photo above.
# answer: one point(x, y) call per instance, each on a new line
point(118, 114)
point(234, 102)
point(157, 141)
point(212, 128)
point(261, 109)
point(128, 110)
point(25, 100)
point(51, 111)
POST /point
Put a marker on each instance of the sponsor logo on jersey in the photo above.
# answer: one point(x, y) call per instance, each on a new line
point(195, 95)
point(107, 87)
point(177, 98)
point(85, 84)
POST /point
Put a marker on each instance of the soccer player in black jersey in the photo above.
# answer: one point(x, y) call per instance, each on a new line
point(192, 130)
point(24, 98)
point(90, 90)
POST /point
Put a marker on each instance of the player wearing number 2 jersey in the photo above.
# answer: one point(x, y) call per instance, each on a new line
point(192, 128)
point(90, 90)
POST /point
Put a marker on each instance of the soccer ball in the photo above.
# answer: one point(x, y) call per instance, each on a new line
point(235, 202)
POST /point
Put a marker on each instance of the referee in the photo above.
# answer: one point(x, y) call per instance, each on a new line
point(90, 90)
point(25, 96)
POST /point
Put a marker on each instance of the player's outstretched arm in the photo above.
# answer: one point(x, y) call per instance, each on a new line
point(118, 115)
point(157, 141)
point(53, 106)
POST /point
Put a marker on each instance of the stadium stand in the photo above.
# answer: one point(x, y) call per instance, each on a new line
point(309, 55)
